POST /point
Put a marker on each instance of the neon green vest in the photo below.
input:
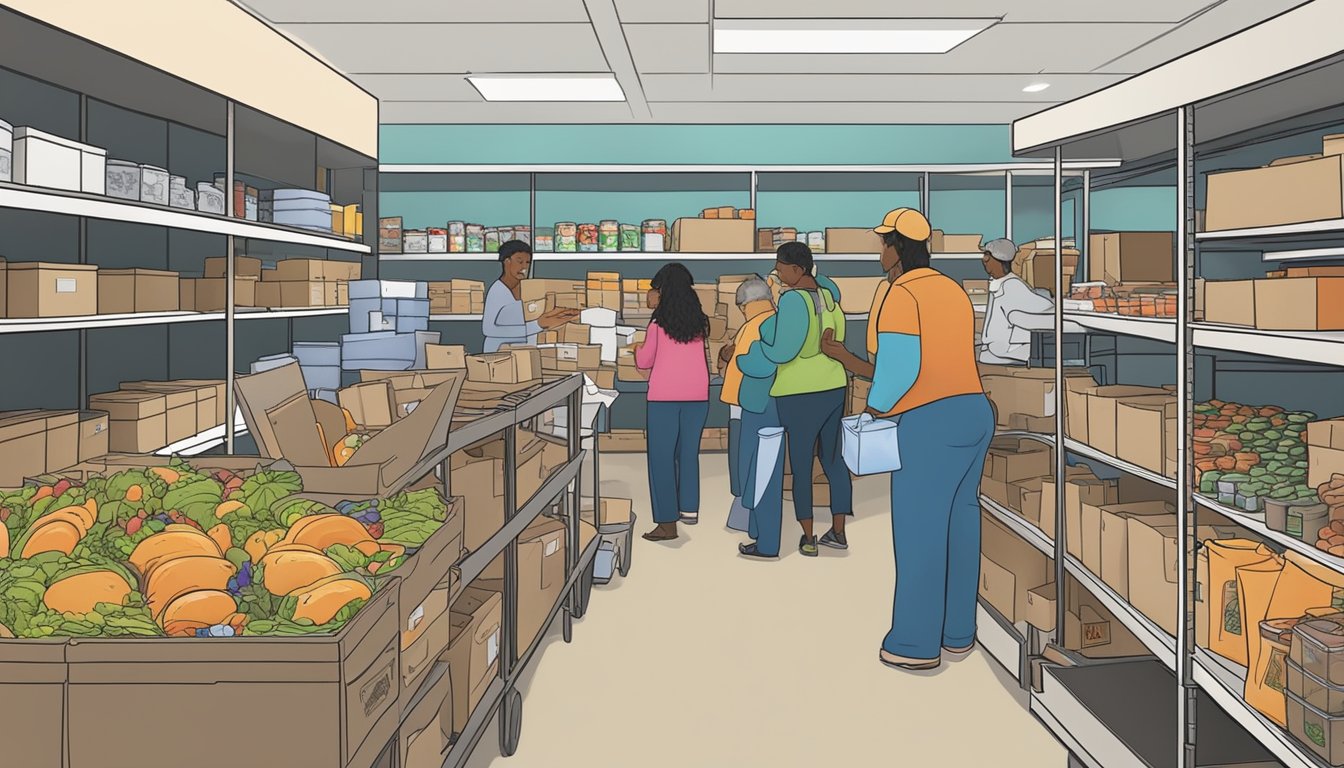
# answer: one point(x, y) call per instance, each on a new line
point(811, 371)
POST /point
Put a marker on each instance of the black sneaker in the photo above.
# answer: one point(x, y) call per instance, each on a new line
point(834, 540)
point(808, 546)
point(750, 550)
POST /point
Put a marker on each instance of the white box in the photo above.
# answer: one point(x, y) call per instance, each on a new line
point(6, 151)
point(45, 160)
point(209, 198)
point(401, 289)
point(154, 185)
point(598, 317)
point(123, 180)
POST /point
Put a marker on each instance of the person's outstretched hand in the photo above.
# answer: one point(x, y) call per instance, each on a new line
point(556, 318)
point(836, 350)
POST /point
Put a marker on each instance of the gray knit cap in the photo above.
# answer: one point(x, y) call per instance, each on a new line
point(1002, 249)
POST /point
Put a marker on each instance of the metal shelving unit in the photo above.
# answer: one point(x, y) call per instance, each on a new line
point(1205, 106)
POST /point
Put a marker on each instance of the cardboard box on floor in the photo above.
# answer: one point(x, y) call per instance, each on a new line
point(342, 691)
point(382, 465)
point(473, 652)
point(1017, 567)
point(1312, 190)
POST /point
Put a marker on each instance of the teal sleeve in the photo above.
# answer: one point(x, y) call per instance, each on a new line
point(790, 330)
point(755, 363)
point(896, 370)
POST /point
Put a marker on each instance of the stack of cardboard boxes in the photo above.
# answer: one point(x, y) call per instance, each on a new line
point(1294, 299)
point(146, 416)
point(604, 290)
point(302, 283)
point(1024, 398)
point(389, 326)
point(1287, 191)
point(1136, 424)
point(1035, 263)
point(717, 230)
point(36, 442)
point(209, 293)
point(457, 297)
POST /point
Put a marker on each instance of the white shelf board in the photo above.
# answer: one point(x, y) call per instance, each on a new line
point(1082, 449)
point(1323, 347)
point(1156, 328)
point(437, 257)
point(652, 256)
point(1283, 230)
point(1154, 638)
point(1082, 732)
point(452, 318)
point(99, 207)
point(1071, 165)
point(210, 438)
point(1225, 682)
point(1019, 525)
point(91, 322)
point(998, 641)
point(1256, 523)
point(1304, 254)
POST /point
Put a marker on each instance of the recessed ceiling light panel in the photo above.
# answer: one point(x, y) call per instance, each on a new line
point(547, 88)
point(1035, 87)
point(845, 35)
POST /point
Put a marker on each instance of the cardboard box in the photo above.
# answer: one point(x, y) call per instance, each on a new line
point(998, 588)
point(1041, 607)
point(94, 427)
point(1028, 567)
point(138, 422)
point(1082, 497)
point(23, 446)
point(541, 576)
point(370, 403)
point(1115, 518)
point(40, 289)
point(623, 441)
point(1230, 302)
point(1017, 395)
point(312, 270)
point(1012, 459)
point(385, 461)
point(959, 244)
point(1152, 569)
point(712, 235)
point(1300, 304)
point(1141, 431)
point(243, 266)
point(1102, 412)
point(427, 729)
point(425, 637)
point(1312, 190)
point(342, 691)
point(1132, 257)
point(1325, 451)
point(473, 652)
point(136, 290)
point(218, 386)
point(615, 511)
point(517, 366)
point(203, 394)
point(856, 240)
point(445, 356)
point(208, 294)
point(293, 294)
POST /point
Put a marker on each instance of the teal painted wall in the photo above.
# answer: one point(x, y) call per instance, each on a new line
point(1134, 208)
point(704, 144)
point(815, 211)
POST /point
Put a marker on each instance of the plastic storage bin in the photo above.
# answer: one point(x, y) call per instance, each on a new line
point(1314, 728)
point(1318, 648)
point(123, 180)
point(317, 353)
point(1301, 519)
point(382, 351)
point(42, 159)
point(154, 185)
point(1325, 697)
point(209, 198)
point(6, 151)
point(178, 194)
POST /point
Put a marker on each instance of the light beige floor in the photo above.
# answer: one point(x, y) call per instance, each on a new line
point(700, 658)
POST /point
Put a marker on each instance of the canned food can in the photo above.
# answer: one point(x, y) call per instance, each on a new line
point(587, 238)
point(609, 236)
point(629, 237)
point(566, 237)
point(492, 240)
point(475, 236)
point(457, 237)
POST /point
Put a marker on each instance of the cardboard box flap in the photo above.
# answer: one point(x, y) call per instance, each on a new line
point(416, 436)
point(295, 427)
point(260, 392)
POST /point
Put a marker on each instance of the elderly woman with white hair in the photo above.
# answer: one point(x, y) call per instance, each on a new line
point(746, 389)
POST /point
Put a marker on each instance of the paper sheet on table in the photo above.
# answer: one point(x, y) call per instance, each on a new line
point(769, 442)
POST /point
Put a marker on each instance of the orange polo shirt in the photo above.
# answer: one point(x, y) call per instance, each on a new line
point(927, 303)
point(881, 294)
point(732, 375)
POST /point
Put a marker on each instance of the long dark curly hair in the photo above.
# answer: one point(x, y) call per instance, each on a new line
point(679, 313)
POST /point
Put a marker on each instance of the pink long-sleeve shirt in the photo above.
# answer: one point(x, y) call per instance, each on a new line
point(679, 371)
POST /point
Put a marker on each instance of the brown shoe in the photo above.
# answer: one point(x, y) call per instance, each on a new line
point(662, 532)
point(913, 665)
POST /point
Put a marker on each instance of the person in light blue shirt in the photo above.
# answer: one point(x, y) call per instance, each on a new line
point(504, 321)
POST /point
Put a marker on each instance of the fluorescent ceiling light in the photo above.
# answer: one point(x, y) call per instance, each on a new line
point(540, 88)
point(1035, 87)
point(845, 35)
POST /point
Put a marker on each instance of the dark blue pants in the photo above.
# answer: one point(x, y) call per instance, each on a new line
point(674, 431)
point(767, 510)
point(935, 525)
point(734, 452)
point(812, 422)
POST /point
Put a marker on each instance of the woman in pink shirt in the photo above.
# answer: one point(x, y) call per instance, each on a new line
point(674, 352)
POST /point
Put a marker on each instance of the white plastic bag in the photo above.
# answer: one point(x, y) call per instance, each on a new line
point(870, 445)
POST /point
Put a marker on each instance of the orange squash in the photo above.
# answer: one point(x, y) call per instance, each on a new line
point(58, 536)
point(81, 592)
point(206, 606)
point(320, 602)
point(288, 571)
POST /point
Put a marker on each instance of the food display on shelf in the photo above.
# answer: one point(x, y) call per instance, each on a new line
point(450, 237)
point(1253, 458)
point(181, 552)
point(1127, 300)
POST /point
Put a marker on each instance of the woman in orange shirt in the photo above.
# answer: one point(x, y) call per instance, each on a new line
point(924, 373)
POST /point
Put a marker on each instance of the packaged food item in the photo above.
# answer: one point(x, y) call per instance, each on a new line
point(629, 237)
point(251, 203)
point(153, 185)
point(1318, 730)
point(178, 194)
point(492, 240)
point(1301, 518)
point(1318, 648)
point(475, 238)
point(415, 241)
point(587, 238)
point(566, 237)
point(505, 234)
point(609, 236)
point(1255, 588)
point(389, 234)
point(523, 232)
point(655, 235)
point(209, 198)
point(457, 237)
point(1271, 671)
point(1227, 637)
point(123, 180)
point(1315, 691)
point(437, 238)
point(816, 241)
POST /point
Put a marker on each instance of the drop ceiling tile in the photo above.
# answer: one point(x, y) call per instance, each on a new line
point(867, 88)
point(1226, 19)
point(394, 112)
point(675, 48)
point(663, 11)
point(385, 11)
point(454, 48)
point(849, 113)
point(1037, 10)
point(1012, 48)
point(418, 87)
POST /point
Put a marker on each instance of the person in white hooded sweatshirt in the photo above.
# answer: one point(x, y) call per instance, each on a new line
point(1014, 310)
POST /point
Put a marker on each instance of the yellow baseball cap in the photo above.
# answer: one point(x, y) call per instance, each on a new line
point(908, 222)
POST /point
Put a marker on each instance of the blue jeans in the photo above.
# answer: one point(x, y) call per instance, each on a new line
point(734, 452)
point(767, 511)
point(674, 431)
point(812, 421)
point(935, 525)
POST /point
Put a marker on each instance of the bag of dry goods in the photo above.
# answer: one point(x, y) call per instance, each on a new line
point(1255, 588)
point(1227, 627)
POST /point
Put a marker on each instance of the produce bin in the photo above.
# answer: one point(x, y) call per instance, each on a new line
point(32, 701)
point(320, 701)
